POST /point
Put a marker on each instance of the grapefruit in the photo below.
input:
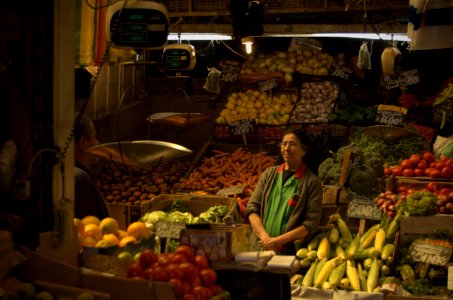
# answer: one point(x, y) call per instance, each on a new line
point(89, 241)
point(127, 240)
point(91, 220)
point(127, 256)
point(138, 230)
point(104, 244)
point(109, 225)
point(94, 231)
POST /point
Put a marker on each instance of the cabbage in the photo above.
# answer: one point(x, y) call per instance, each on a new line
point(180, 217)
point(155, 216)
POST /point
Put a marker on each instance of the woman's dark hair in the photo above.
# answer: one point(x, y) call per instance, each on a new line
point(82, 128)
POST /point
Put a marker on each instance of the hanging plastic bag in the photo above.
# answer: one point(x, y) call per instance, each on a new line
point(364, 59)
point(212, 83)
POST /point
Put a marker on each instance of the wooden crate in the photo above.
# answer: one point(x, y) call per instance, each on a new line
point(126, 214)
point(414, 227)
point(330, 194)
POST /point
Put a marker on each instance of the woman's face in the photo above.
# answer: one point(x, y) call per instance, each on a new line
point(292, 149)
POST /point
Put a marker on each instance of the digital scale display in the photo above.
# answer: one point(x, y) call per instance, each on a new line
point(177, 59)
point(138, 28)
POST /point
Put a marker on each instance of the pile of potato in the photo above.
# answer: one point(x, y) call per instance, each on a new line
point(121, 184)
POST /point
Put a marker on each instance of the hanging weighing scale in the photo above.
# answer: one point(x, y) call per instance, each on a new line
point(179, 57)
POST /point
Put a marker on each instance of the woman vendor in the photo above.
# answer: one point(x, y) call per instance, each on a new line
point(286, 205)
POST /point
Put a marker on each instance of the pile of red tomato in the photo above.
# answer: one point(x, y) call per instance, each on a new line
point(190, 274)
point(423, 165)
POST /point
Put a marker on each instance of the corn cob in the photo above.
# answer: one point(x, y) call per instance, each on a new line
point(367, 263)
point(369, 252)
point(323, 248)
point(369, 231)
point(326, 285)
point(307, 281)
point(312, 254)
point(321, 264)
point(323, 275)
point(337, 274)
point(305, 263)
point(407, 273)
point(393, 227)
point(345, 232)
point(362, 277)
point(334, 235)
point(354, 246)
point(373, 276)
point(387, 251)
point(368, 237)
point(353, 276)
point(379, 241)
point(344, 283)
point(302, 253)
point(340, 252)
point(313, 244)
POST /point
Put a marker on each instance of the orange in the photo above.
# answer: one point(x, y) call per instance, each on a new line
point(111, 237)
point(94, 231)
point(90, 220)
point(127, 240)
point(120, 234)
point(109, 225)
point(104, 244)
point(89, 241)
point(138, 230)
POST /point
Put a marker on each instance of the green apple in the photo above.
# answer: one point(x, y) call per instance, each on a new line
point(85, 296)
point(45, 295)
point(137, 256)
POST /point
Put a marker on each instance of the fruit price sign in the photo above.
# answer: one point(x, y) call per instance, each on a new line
point(390, 115)
point(242, 124)
point(363, 208)
point(340, 71)
point(170, 230)
point(429, 252)
point(230, 70)
point(267, 85)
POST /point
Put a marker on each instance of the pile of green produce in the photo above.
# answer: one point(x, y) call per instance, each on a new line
point(178, 212)
point(419, 204)
point(392, 153)
point(364, 169)
point(346, 111)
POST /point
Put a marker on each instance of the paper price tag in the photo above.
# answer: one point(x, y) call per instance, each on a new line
point(171, 230)
point(242, 126)
point(427, 252)
point(363, 208)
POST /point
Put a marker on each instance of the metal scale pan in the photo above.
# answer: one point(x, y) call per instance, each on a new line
point(387, 133)
point(137, 153)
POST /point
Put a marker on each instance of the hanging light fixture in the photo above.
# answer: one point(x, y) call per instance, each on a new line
point(248, 42)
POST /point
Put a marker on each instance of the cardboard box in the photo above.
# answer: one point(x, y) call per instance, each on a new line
point(330, 194)
point(220, 242)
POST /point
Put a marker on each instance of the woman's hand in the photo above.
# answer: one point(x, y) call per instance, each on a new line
point(271, 243)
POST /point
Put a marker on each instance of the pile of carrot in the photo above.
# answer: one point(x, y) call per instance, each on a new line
point(223, 169)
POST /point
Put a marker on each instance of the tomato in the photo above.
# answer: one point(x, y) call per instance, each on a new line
point(201, 262)
point(160, 274)
point(185, 250)
point(148, 273)
point(134, 269)
point(428, 156)
point(419, 172)
point(415, 159)
point(449, 162)
point(428, 171)
point(406, 164)
point(186, 287)
point(178, 258)
point(177, 283)
point(189, 270)
point(432, 186)
point(422, 164)
point(208, 276)
point(444, 191)
point(202, 292)
point(189, 297)
point(397, 171)
point(408, 172)
point(435, 174)
point(164, 259)
point(174, 271)
point(446, 172)
point(410, 191)
point(147, 258)
point(440, 165)
point(195, 281)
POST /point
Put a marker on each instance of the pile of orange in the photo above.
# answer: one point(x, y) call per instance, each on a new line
point(93, 232)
